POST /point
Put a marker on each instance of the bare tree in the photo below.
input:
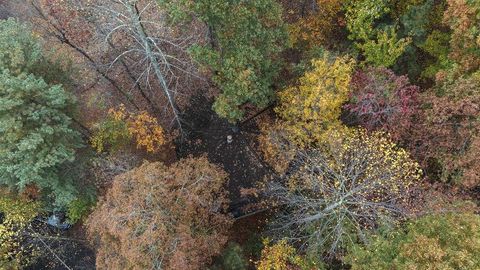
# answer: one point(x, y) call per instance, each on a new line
point(62, 25)
point(158, 51)
point(127, 52)
point(331, 196)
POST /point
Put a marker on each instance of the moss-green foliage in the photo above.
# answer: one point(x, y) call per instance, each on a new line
point(440, 241)
point(393, 34)
point(420, 21)
point(378, 42)
point(437, 45)
point(385, 49)
point(111, 133)
point(36, 137)
point(415, 20)
point(21, 52)
point(79, 208)
point(232, 258)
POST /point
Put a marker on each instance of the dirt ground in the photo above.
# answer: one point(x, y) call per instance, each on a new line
point(207, 134)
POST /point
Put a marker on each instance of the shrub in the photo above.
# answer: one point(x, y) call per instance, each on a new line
point(232, 258)
point(120, 126)
point(79, 208)
point(15, 216)
point(281, 256)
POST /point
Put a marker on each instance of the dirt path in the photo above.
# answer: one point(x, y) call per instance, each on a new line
point(208, 134)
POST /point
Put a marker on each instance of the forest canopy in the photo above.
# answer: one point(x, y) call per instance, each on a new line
point(239, 134)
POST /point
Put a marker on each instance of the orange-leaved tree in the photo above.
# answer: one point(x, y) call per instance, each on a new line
point(120, 126)
point(159, 217)
point(463, 17)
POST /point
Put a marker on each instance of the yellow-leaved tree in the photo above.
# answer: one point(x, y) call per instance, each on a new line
point(313, 107)
point(147, 132)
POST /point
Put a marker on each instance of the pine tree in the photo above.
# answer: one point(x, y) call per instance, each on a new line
point(36, 137)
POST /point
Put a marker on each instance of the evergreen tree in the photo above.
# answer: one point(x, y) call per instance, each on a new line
point(36, 137)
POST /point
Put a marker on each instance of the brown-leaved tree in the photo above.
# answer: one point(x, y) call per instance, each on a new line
point(159, 217)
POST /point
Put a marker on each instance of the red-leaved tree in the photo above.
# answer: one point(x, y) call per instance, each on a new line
point(381, 100)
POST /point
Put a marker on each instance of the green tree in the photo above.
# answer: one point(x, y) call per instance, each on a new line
point(379, 44)
point(448, 241)
point(36, 137)
point(437, 45)
point(246, 38)
point(21, 52)
point(385, 49)
point(421, 20)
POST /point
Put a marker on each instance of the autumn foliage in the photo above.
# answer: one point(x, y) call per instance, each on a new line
point(336, 193)
point(158, 217)
point(313, 107)
point(380, 100)
point(16, 215)
point(282, 256)
point(462, 16)
point(319, 26)
point(120, 126)
point(446, 139)
point(277, 151)
point(350, 130)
